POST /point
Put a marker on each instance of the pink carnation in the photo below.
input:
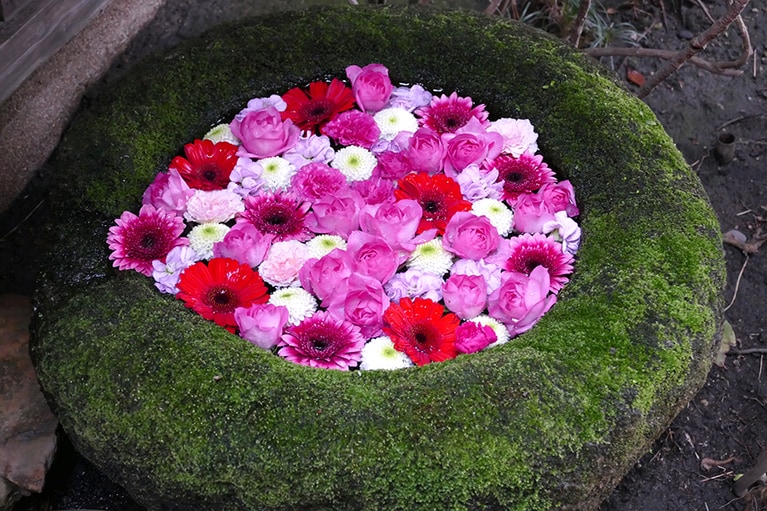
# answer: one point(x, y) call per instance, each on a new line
point(472, 337)
point(353, 127)
point(317, 180)
point(283, 262)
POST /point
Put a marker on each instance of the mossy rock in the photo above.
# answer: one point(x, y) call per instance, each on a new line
point(187, 416)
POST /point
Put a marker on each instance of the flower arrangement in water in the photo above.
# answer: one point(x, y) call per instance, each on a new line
point(359, 225)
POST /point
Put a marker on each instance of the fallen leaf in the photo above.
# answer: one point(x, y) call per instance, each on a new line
point(729, 341)
point(635, 77)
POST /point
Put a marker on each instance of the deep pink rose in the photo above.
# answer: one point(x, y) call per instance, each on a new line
point(168, 191)
point(393, 165)
point(471, 144)
point(361, 301)
point(321, 276)
point(262, 323)
point(426, 151)
point(263, 133)
point(371, 86)
point(465, 295)
point(375, 190)
point(521, 300)
point(559, 197)
point(531, 212)
point(245, 244)
point(472, 337)
point(470, 236)
point(395, 222)
point(336, 214)
point(372, 256)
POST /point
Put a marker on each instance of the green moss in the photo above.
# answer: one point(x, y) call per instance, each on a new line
point(187, 416)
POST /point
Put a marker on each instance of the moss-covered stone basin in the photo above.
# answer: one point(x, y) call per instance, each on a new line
point(187, 416)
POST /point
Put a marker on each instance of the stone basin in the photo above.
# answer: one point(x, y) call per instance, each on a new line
point(186, 416)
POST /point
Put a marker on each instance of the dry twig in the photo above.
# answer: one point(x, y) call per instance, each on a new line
point(580, 20)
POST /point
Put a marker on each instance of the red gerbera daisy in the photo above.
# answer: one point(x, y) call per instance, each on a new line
point(418, 329)
point(207, 166)
point(525, 174)
point(215, 290)
point(439, 196)
point(322, 103)
point(448, 114)
point(530, 250)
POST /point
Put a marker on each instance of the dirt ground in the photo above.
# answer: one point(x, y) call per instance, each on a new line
point(722, 431)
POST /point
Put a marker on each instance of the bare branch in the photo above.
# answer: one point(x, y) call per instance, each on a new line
point(580, 20)
point(712, 67)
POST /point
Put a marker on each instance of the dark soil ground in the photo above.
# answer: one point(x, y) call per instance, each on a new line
point(724, 428)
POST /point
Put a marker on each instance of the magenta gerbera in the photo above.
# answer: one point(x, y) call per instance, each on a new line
point(323, 341)
point(527, 251)
point(448, 114)
point(525, 174)
point(136, 241)
point(279, 214)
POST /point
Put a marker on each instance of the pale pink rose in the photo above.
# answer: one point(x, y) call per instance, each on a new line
point(169, 192)
point(361, 301)
point(471, 144)
point(472, 337)
point(531, 212)
point(321, 276)
point(470, 236)
point(335, 214)
point(559, 197)
point(263, 133)
point(372, 256)
point(521, 300)
point(283, 262)
point(395, 222)
point(245, 244)
point(465, 295)
point(489, 271)
point(261, 323)
point(213, 206)
point(426, 151)
point(518, 135)
point(371, 86)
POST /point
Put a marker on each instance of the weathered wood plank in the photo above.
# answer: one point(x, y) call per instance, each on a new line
point(37, 31)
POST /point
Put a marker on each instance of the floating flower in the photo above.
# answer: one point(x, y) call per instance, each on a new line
point(221, 133)
point(137, 240)
point(213, 206)
point(371, 86)
point(431, 257)
point(564, 230)
point(276, 173)
point(419, 329)
point(392, 121)
point(472, 337)
point(280, 214)
point(354, 162)
point(299, 302)
point(322, 102)
point(203, 237)
point(215, 290)
point(379, 353)
point(323, 341)
point(261, 323)
point(499, 329)
point(166, 274)
point(439, 197)
point(353, 128)
point(519, 136)
point(497, 212)
point(283, 262)
point(310, 148)
point(523, 174)
point(448, 114)
point(207, 165)
point(528, 251)
point(324, 244)
point(521, 300)
point(414, 283)
point(315, 181)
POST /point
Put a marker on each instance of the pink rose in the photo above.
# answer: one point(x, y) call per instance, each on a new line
point(283, 262)
point(263, 133)
point(471, 144)
point(371, 86)
point(426, 151)
point(321, 276)
point(262, 323)
point(559, 197)
point(472, 337)
point(393, 165)
point(361, 301)
point(372, 256)
point(465, 295)
point(470, 237)
point(335, 214)
point(395, 222)
point(521, 300)
point(245, 244)
point(168, 191)
point(531, 212)
point(375, 190)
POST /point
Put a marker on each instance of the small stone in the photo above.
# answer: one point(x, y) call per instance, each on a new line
point(685, 34)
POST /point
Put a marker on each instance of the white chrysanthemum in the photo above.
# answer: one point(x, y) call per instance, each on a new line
point(221, 133)
point(354, 162)
point(497, 212)
point(379, 353)
point(501, 332)
point(393, 120)
point(431, 257)
point(276, 173)
point(204, 236)
point(299, 302)
point(324, 244)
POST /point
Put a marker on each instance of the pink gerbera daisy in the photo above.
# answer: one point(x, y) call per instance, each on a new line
point(136, 241)
point(279, 214)
point(323, 341)
point(525, 174)
point(528, 251)
point(448, 114)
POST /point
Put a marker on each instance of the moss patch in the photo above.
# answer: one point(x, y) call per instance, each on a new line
point(186, 416)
